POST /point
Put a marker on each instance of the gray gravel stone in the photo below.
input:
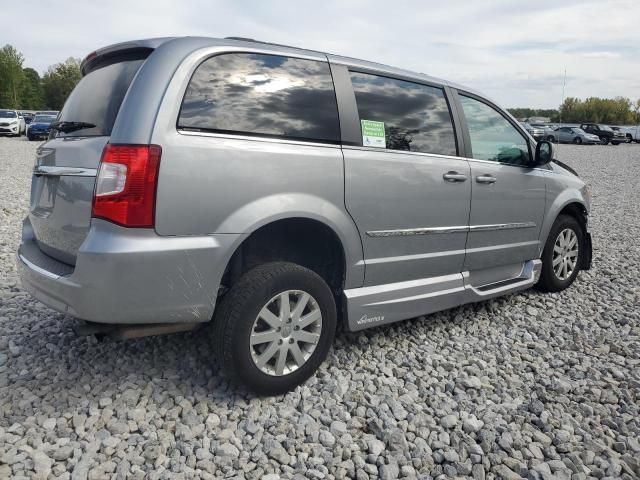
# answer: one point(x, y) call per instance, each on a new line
point(536, 385)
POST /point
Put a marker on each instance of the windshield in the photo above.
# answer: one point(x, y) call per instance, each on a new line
point(85, 105)
point(44, 118)
point(605, 128)
point(7, 114)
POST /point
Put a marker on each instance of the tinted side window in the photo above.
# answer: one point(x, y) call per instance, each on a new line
point(262, 94)
point(415, 117)
point(493, 137)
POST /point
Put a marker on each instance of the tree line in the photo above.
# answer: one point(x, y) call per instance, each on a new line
point(22, 88)
point(613, 111)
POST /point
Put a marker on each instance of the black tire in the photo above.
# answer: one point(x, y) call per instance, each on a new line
point(604, 141)
point(577, 140)
point(629, 138)
point(30, 138)
point(551, 138)
point(615, 143)
point(238, 310)
point(548, 281)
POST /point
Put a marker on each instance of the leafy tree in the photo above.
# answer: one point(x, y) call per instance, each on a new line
point(59, 81)
point(31, 94)
point(614, 111)
point(11, 76)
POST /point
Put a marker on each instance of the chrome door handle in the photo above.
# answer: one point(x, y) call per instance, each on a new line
point(486, 179)
point(454, 177)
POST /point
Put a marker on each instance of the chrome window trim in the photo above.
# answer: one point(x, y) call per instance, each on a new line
point(446, 230)
point(403, 152)
point(50, 171)
point(439, 155)
point(232, 136)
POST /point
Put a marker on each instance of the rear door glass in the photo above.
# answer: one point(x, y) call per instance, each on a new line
point(410, 116)
point(97, 98)
point(265, 95)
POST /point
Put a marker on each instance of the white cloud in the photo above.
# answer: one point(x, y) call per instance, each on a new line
point(516, 52)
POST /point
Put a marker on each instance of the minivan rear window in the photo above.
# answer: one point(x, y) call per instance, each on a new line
point(265, 95)
point(97, 98)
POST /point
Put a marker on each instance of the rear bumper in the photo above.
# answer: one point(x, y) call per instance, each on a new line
point(130, 276)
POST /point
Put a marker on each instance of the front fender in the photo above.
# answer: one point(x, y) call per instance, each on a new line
point(562, 191)
point(262, 211)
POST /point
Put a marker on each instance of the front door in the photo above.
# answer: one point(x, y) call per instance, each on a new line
point(405, 187)
point(508, 196)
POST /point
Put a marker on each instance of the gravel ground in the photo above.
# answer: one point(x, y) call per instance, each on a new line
point(532, 385)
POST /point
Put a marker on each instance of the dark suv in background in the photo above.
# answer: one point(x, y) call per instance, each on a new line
point(605, 133)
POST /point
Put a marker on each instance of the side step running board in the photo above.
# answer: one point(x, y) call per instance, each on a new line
point(124, 332)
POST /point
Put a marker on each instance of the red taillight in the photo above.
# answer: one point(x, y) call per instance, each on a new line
point(126, 185)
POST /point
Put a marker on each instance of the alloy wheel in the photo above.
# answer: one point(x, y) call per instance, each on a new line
point(565, 254)
point(285, 333)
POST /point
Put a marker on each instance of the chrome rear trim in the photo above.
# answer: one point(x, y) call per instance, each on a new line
point(37, 269)
point(49, 171)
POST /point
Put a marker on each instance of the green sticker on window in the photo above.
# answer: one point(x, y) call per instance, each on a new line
point(373, 134)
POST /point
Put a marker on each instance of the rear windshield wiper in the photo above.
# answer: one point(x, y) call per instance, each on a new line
point(67, 127)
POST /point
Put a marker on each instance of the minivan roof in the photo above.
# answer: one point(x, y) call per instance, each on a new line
point(150, 44)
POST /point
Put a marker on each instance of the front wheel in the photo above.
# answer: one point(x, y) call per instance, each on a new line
point(562, 255)
point(604, 140)
point(551, 138)
point(629, 138)
point(275, 327)
point(577, 140)
point(615, 143)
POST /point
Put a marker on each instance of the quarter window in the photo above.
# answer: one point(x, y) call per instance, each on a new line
point(265, 95)
point(410, 116)
point(493, 137)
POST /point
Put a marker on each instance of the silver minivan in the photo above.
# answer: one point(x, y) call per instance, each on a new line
point(280, 193)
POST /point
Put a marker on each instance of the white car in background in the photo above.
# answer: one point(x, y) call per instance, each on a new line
point(11, 123)
point(631, 132)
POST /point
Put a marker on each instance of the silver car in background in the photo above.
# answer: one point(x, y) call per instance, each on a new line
point(277, 191)
point(573, 135)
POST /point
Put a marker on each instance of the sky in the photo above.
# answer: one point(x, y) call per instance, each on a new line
point(516, 52)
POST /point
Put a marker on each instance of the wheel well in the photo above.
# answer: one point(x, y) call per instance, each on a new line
point(577, 211)
point(304, 241)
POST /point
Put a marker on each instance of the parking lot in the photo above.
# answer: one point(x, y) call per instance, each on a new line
point(530, 385)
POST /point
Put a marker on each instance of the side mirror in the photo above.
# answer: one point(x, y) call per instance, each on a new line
point(544, 153)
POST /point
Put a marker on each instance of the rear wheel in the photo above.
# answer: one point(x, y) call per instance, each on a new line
point(551, 138)
point(562, 255)
point(615, 143)
point(577, 140)
point(275, 327)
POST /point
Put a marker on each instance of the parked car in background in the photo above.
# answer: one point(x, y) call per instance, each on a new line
point(48, 112)
point(11, 123)
point(605, 133)
point(632, 133)
point(28, 117)
point(535, 132)
point(548, 131)
point(166, 201)
point(573, 135)
point(40, 127)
